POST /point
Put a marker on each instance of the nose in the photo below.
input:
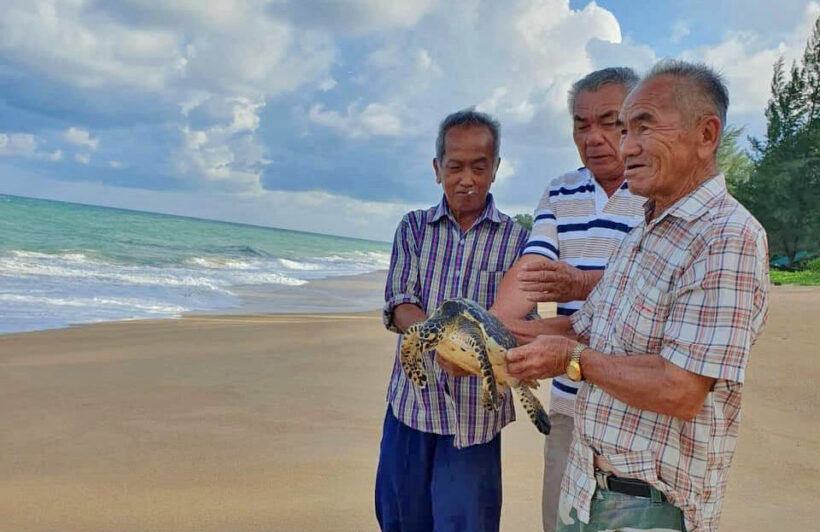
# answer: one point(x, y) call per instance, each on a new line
point(467, 179)
point(629, 145)
point(595, 136)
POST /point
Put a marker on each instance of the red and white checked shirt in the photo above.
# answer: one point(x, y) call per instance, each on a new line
point(690, 286)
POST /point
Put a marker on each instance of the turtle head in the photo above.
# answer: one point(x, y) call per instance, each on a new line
point(430, 334)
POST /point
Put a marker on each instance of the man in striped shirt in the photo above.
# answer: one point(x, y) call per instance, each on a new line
point(663, 341)
point(581, 218)
point(440, 459)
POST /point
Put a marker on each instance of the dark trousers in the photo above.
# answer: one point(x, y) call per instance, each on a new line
point(425, 484)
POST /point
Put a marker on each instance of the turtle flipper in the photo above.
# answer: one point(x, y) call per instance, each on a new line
point(489, 389)
point(532, 405)
point(410, 359)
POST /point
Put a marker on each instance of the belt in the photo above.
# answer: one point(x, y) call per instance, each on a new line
point(627, 486)
point(606, 480)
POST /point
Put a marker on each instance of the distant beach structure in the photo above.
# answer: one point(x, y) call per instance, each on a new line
point(65, 263)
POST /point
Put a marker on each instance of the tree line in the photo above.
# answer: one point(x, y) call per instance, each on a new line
point(780, 183)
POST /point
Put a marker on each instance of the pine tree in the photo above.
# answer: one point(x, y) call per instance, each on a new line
point(783, 191)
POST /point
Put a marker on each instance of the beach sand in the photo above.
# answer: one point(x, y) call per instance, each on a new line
point(272, 423)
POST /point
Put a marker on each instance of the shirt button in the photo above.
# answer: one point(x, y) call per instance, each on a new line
point(460, 242)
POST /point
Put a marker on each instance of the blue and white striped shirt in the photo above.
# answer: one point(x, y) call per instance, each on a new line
point(434, 260)
point(577, 223)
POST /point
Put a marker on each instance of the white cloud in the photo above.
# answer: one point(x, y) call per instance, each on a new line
point(746, 62)
point(226, 155)
point(680, 29)
point(25, 145)
point(357, 16)
point(82, 158)
point(80, 137)
point(506, 169)
point(375, 119)
point(327, 84)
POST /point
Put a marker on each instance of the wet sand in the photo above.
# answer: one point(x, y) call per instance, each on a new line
point(272, 423)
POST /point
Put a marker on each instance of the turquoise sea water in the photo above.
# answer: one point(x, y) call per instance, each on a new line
point(65, 263)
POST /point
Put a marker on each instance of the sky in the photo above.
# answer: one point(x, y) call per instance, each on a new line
point(321, 115)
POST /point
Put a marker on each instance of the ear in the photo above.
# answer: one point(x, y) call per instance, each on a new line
point(436, 170)
point(708, 131)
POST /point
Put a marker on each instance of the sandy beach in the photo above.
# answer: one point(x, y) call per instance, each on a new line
point(272, 423)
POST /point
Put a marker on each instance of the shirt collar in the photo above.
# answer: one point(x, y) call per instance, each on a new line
point(442, 209)
point(693, 205)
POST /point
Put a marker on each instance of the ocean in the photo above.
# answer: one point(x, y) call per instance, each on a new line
point(66, 263)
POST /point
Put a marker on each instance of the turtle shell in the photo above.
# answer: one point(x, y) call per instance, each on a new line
point(492, 326)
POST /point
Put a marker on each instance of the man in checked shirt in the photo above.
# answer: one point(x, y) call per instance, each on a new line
point(440, 460)
point(663, 340)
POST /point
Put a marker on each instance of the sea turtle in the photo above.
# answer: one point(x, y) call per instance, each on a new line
point(467, 335)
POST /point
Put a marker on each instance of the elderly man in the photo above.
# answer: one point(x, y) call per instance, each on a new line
point(440, 461)
point(663, 340)
point(581, 218)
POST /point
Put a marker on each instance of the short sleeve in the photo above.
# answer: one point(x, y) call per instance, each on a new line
point(718, 308)
point(544, 235)
point(402, 284)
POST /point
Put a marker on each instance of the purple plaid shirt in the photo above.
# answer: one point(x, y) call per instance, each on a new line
point(434, 260)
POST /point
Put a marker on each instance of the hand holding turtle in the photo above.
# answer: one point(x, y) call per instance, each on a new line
point(555, 280)
point(544, 357)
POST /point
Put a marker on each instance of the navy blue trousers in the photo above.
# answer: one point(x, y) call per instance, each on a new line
point(425, 484)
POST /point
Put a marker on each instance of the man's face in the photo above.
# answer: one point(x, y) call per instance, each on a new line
point(657, 145)
point(596, 133)
point(467, 169)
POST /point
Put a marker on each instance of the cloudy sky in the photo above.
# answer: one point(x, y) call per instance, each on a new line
point(320, 115)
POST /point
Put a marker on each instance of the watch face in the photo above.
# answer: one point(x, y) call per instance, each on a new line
point(574, 371)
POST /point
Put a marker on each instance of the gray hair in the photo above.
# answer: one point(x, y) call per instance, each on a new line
point(702, 92)
point(468, 117)
point(593, 81)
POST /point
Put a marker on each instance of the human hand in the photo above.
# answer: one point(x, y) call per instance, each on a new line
point(449, 367)
point(554, 280)
point(544, 357)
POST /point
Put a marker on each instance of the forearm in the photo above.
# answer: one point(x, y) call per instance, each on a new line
point(511, 303)
point(648, 382)
point(525, 331)
point(407, 314)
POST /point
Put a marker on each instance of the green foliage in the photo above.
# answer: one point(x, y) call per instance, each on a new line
point(524, 220)
point(732, 160)
point(805, 277)
point(783, 190)
point(813, 265)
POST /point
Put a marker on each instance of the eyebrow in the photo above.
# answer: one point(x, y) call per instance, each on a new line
point(608, 115)
point(642, 117)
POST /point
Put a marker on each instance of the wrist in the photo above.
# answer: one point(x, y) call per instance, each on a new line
point(586, 285)
point(573, 366)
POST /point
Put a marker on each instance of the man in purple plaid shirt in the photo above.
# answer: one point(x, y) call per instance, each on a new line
point(440, 460)
point(663, 340)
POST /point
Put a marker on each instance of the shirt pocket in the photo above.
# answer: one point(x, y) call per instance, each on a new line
point(484, 286)
point(641, 320)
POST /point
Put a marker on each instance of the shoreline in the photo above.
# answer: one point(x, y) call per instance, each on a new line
point(339, 294)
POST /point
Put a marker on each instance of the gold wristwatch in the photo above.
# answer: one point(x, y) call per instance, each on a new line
point(574, 365)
